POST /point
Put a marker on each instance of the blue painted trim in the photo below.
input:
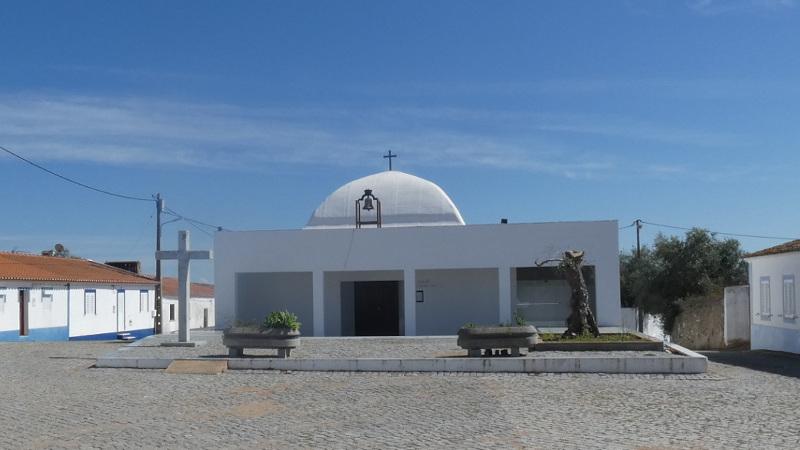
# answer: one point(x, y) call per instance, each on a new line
point(764, 337)
point(138, 334)
point(36, 335)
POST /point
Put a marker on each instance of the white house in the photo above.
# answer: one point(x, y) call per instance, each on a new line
point(53, 298)
point(775, 323)
point(399, 260)
point(201, 301)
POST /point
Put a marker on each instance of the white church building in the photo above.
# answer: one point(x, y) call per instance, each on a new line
point(390, 254)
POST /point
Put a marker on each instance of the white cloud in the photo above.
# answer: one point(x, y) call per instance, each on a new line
point(136, 131)
point(718, 7)
point(133, 131)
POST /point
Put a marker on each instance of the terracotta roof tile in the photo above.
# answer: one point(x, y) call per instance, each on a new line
point(23, 267)
point(169, 288)
point(786, 247)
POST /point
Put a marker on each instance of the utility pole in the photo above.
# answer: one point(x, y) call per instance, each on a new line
point(639, 312)
point(159, 209)
point(638, 223)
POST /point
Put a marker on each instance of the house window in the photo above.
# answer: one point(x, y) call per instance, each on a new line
point(89, 302)
point(764, 301)
point(47, 299)
point(2, 302)
point(789, 304)
point(144, 301)
point(172, 312)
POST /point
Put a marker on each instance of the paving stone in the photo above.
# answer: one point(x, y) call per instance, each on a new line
point(51, 398)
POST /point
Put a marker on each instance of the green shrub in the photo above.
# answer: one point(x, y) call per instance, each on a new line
point(281, 319)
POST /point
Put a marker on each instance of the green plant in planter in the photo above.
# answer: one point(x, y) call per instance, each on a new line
point(281, 319)
point(519, 319)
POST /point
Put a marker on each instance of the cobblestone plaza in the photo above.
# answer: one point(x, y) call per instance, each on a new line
point(52, 398)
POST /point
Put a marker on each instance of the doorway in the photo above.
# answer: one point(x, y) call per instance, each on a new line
point(205, 317)
point(23, 312)
point(120, 310)
point(377, 308)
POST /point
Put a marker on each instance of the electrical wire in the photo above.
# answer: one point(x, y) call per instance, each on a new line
point(200, 229)
point(102, 191)
point(191, 221)
point(174, 213)
point(754, 236)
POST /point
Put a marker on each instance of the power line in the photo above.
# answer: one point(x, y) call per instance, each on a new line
point(754, 236)
point(102, 191)
point(200, 229)
point(172, 212)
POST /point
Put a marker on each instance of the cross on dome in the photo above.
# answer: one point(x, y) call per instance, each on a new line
point(389, 156)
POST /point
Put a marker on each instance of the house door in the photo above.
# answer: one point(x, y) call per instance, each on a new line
point(205, 317)
point(23, 312)
point(121, 310)
point(377, 308)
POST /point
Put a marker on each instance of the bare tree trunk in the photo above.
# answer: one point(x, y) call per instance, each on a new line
point(581, 320)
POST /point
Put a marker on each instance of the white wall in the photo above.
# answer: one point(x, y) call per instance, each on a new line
point(776, 332)
point(421, 248)
point(198, 304)
point(258, 294)
point(67, 309)
point(737, 314)
point(9, 309)
point(630, 318)
point(455, 297)
point(105, 320)
point(39, 314)
point(652, 325)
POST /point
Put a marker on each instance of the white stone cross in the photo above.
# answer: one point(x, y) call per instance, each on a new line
point(184, 256)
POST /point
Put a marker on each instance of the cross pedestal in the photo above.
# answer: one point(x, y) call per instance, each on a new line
point(184, 256)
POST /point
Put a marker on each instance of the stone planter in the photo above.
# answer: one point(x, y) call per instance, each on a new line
point(239, 338)
point(475, 339)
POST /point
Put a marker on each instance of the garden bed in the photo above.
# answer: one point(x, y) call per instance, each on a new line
point(631, 341)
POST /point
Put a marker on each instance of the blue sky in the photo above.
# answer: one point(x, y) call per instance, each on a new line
point(247, 114)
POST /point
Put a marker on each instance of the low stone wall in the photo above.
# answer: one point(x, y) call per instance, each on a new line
point(715, 322)
point(700, 325)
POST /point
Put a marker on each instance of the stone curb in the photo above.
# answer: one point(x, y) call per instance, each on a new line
point(687, 362)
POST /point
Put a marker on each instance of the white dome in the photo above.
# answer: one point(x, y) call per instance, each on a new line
point(406, 201)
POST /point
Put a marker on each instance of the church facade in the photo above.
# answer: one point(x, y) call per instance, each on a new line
point(390, 255)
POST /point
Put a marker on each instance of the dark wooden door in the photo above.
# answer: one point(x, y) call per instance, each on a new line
point(377, 308)
point(23, 314)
